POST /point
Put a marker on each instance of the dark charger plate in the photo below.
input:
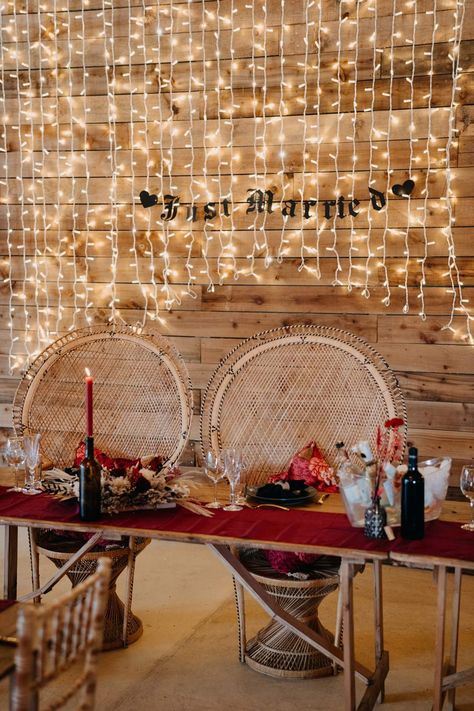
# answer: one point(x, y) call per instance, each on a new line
point(306, 498)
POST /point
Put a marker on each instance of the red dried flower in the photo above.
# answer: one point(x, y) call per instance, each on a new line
point(394, 423)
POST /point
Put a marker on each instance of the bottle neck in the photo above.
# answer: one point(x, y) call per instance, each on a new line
point(413, 459)
point(89, 448)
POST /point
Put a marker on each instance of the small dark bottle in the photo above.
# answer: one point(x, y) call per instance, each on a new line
point(413, 500)
point(89, 485)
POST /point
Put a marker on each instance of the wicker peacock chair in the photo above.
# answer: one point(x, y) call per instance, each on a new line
point(142, 407)
point(268, 397)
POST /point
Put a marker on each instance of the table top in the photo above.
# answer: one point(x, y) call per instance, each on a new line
point(313, 529)
point(7, 629)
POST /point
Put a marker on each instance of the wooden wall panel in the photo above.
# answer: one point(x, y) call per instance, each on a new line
point(434, 365)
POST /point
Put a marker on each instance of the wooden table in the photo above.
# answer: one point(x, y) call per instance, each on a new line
point(221, 545)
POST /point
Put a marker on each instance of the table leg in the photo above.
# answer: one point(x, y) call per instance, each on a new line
point(438, 696)
point(453, 653)
point(10, 563)
point(240, 603)
point(346, 658)
point(378, 614)
point(347, 574)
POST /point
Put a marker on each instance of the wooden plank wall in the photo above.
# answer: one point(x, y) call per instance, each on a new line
point(434, 366)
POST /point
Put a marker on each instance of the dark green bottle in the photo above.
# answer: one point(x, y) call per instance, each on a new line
point(89, 485)
point(413, 500)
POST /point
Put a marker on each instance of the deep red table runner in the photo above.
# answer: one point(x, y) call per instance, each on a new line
point(298, 528)
point(5, 604)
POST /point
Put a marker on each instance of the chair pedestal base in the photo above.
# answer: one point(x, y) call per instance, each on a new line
point(276, 650)
point(113, 628)
point(58, 553)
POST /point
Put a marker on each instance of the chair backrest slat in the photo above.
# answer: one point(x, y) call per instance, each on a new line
point(53, 638)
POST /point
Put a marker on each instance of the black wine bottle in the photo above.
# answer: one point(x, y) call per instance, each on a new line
point(413, 500)
point(89, 485)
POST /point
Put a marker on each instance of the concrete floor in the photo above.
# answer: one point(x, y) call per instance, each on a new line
point(187, 656)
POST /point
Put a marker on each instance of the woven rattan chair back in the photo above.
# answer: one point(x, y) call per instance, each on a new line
point(280, 389)
point(142, 395)
point(53, 638)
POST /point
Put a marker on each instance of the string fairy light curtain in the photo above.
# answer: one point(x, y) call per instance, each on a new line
point(149, 149)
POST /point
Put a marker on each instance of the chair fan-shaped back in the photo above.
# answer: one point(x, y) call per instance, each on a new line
point(142, 395)
point(280, 389)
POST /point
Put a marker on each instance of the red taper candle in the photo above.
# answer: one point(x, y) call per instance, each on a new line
point(89, 399)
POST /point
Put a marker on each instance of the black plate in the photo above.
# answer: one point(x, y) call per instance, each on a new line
point(310, 493)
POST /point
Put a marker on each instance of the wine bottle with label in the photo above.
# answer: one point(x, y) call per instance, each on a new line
point(413, 500)
point(89, 485)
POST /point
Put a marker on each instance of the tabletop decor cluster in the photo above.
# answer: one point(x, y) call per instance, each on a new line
point(126, 484)
point(376, 482)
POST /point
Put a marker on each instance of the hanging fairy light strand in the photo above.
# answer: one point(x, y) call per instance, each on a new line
point(317, 106)
point(375, 67)
point(109, 57)
point(13, 360)
point(207, 237)
point(281, 135)
point(70, 164)
point(221, 270)
point(412, 140)
point(143, 143)
point(40, 168)
point(427, 153)
point(170, 296)
point(189, 138)
point(304, 122)
point(335, 156)
point(352, 238)
point(267, 260)
point(133, 162)
point(88, 303)
point(25, 229)
point(32, 198)
point(390, 117)
point(458, 304)
point(57, 221)
point(254, 176)
point(233, 156)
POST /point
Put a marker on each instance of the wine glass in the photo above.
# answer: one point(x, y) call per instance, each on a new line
point(32, 461)
point(467, 488)
point(232, 459)
point(15, 456)
point(214, 471)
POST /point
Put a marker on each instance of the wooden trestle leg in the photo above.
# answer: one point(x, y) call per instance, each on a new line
point(346, 658)
point(10, 562)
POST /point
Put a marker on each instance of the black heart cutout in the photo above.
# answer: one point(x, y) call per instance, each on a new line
point(403, 190)
point(148, 200)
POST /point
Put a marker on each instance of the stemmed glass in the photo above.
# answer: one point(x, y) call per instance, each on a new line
point(15, 456)
point(214, 471)
point(32, 461)
point(232, 459)
point(467, 488)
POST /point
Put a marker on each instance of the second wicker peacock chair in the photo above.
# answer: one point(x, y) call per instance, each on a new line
point(142, 407)
point(269, 397)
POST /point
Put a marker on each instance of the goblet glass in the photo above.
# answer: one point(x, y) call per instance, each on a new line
point(232, 459)
point(32, 461)
point(15, 456)
point(467, 488)
point(214, 471)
